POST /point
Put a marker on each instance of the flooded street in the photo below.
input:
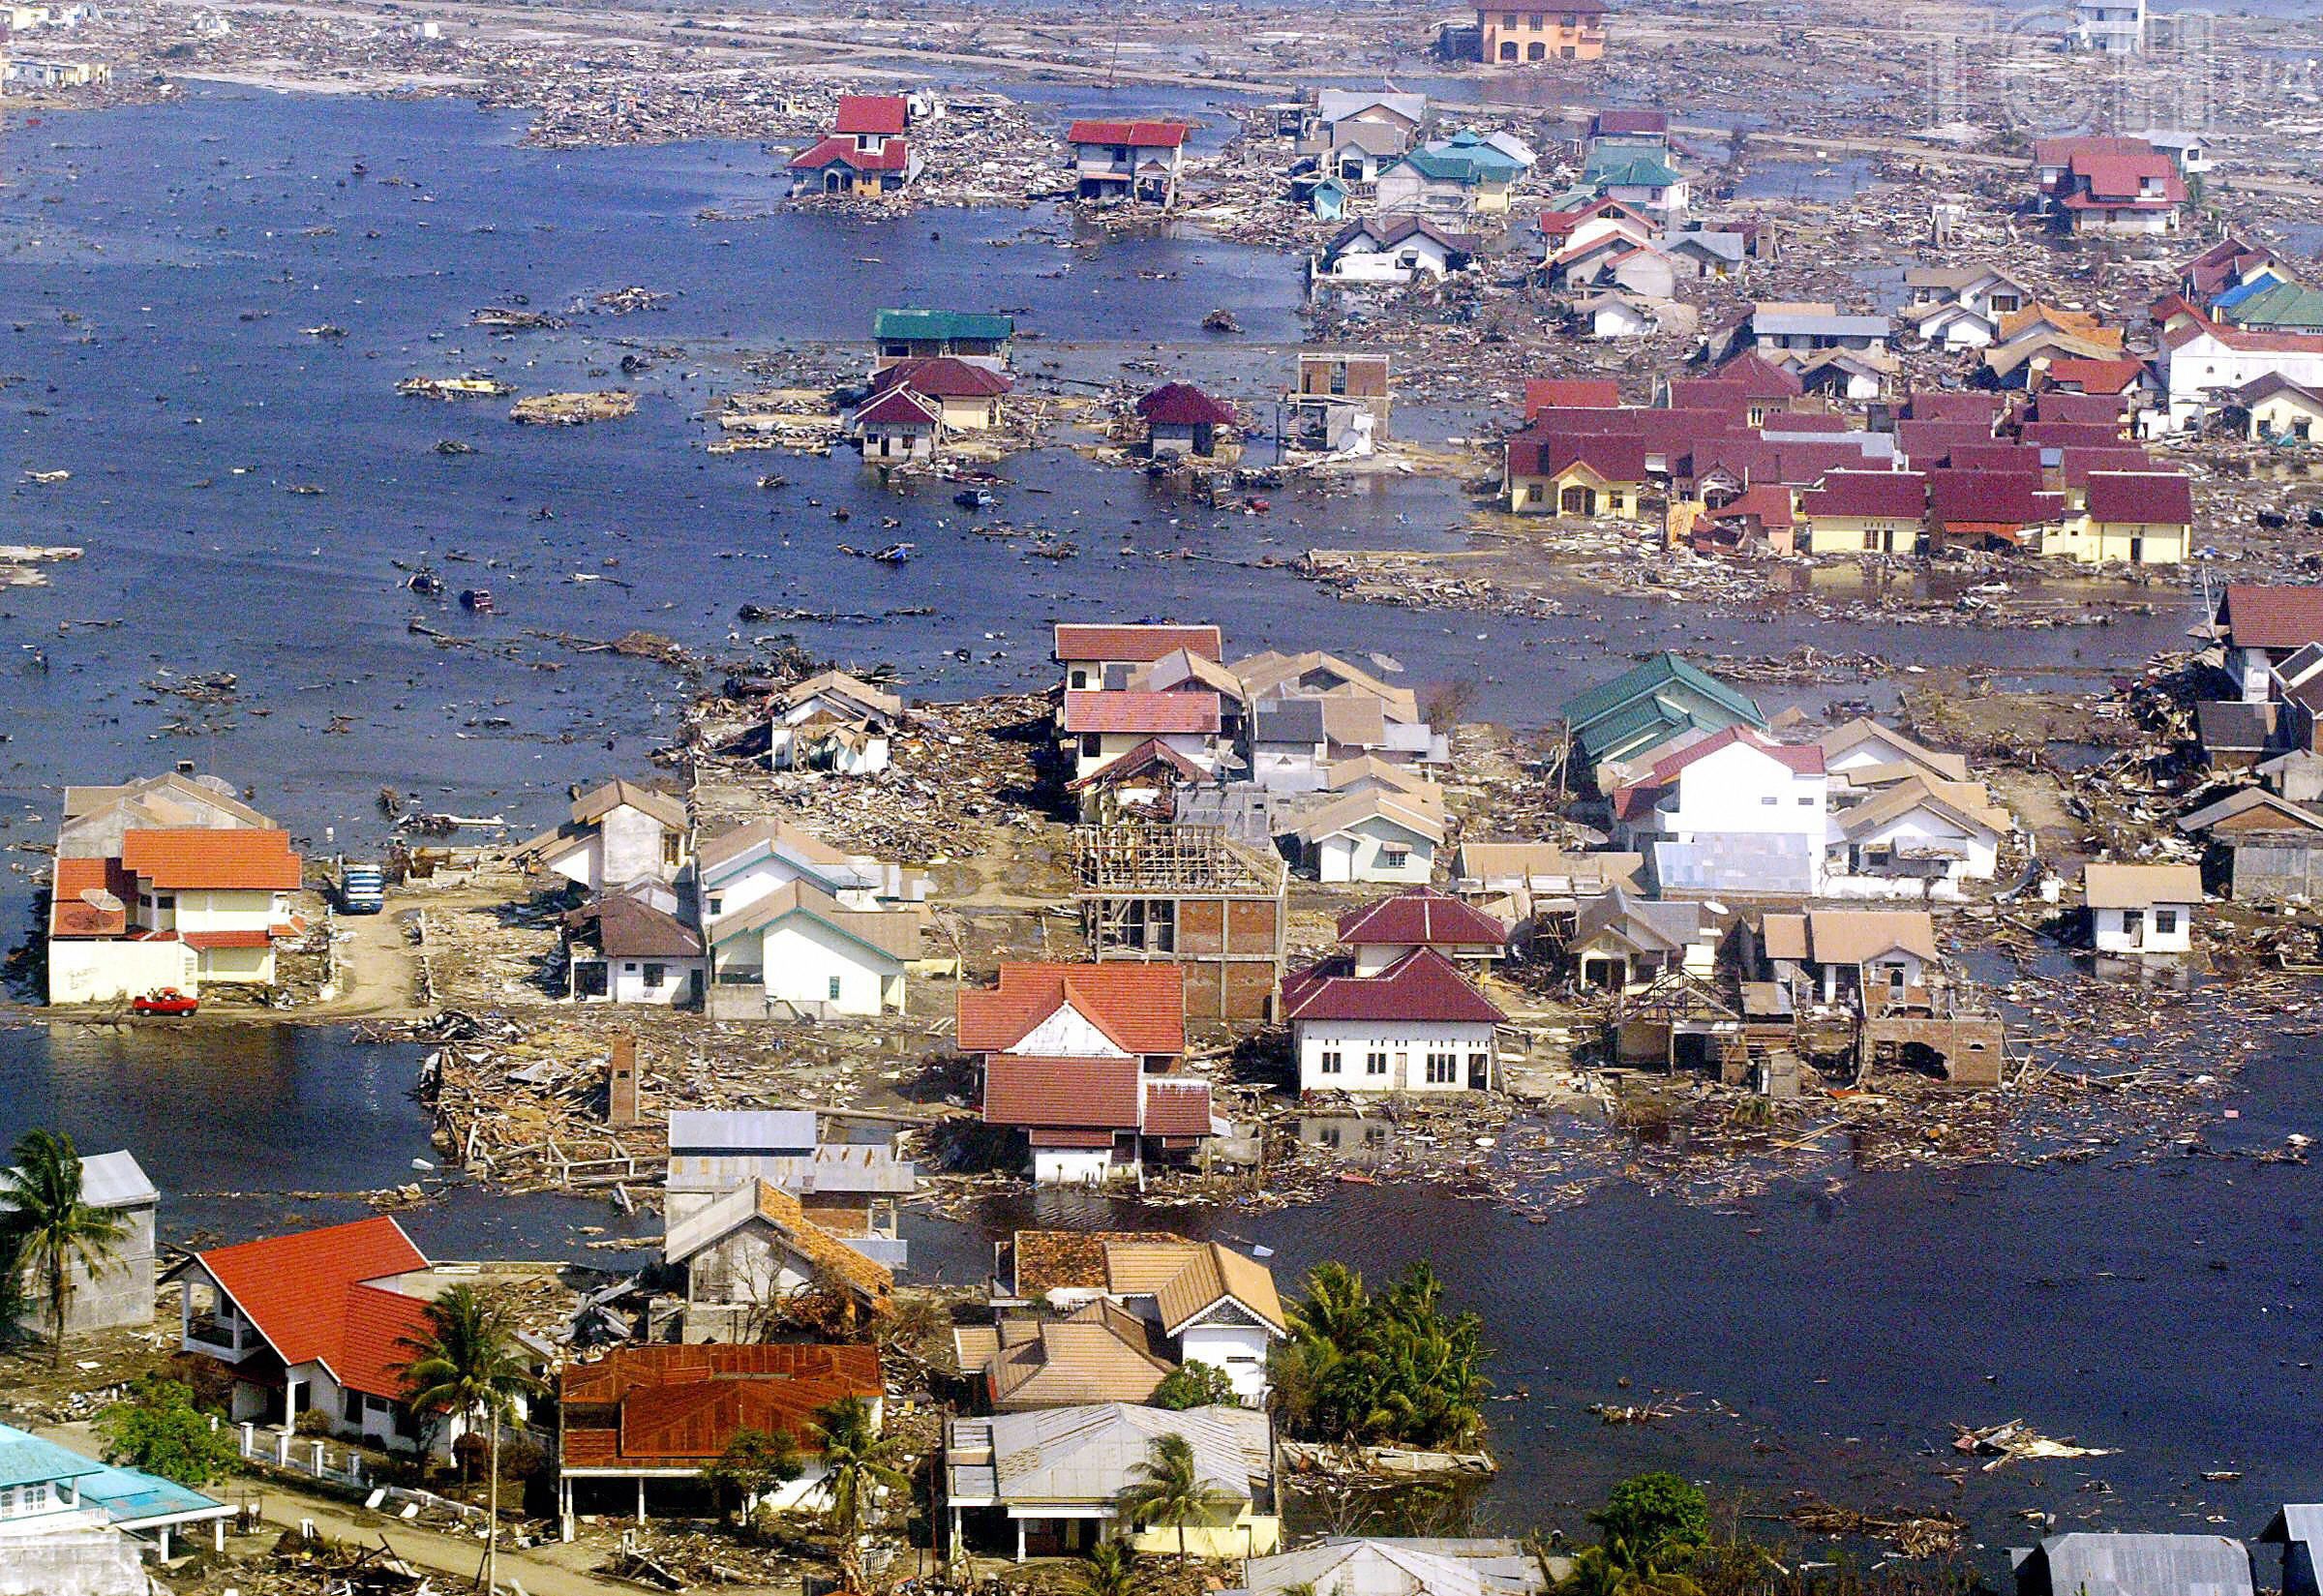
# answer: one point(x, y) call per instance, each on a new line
point(161, 265)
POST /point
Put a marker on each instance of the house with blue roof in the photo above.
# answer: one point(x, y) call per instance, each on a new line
point(74, 1527)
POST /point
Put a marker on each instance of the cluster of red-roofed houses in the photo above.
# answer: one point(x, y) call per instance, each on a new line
point(1743, 459)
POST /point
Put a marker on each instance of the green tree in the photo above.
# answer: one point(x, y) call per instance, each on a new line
point(1614, 1569)
point(754, 1463)
point(1109, 1568)
point(55, 1230)
point(157, 1429)
point(1195, 1384)
point(858, 1462)
point(1169, 1489)
point(1391, 1369)
point(468, 1367)
point(1654, 1516)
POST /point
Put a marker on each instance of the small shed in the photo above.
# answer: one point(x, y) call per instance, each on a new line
point(1180, 419)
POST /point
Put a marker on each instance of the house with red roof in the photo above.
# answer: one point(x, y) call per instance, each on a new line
point(1107, 654)
point(1180, 419)
point(897, 426)
point(1873, 512)
point(2109, 186)
point(199, 897)
point(1133, 161)
point(1586, 476)
point(1380, 933)
point(1082, 1059)
point(866, 152)
point(2203, 363)
point(966, 397)
point(317, 1322)
point(1991, 509)
point(1416, 1025)
point(2262, 624)
point(1099, 725)
point(2143, 517)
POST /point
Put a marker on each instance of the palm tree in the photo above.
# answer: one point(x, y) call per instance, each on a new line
point(1336, 1308)
point(469, 1365)
point(1615, 1568)
point(54, 1230)
point(1112, 1568)
point(1169, 1488)
point(856, 1460)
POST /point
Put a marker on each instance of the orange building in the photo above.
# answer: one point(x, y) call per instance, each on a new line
point(1566, 30)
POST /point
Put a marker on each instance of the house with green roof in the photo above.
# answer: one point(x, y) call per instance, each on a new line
point(978, 338)
point(1642, 180)
point(2283, 308)
point(1463, 175)
point(1650, 703)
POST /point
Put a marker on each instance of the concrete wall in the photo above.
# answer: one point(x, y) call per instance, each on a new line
point(2269, 872)
point(1359, 855)
point(634, 849)
point(1237, 1349)
point(121, 1294)
point(71, 1562)
point(2112, 934)
point(1075, 1166)
point(108, 971)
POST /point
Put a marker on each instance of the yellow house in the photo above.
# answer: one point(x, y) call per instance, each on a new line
point(1562, 30)
point(967, 396)
point(2281, 409)
point(2132, 518)
point(1590, 478)
point(1047, 1483)
point(1864, 512)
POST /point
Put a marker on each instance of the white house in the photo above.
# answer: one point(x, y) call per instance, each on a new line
point(797, 949)
point(1133, 161)
point(316, 1322)
point(1392, 251)
point(1957, 327)
point(835, 722)
point(1371, 836)
point(630, 946)
point(751, 1250)
point(1624, 943)
point(1863, 745)
point(1914, 836)
point(745, 864)
point(616, 834)
point(1098, 726)
point(1613, 316)
point(2142, 907)
point(1416, 1026)
point(1737, 782)
point(2201, 360)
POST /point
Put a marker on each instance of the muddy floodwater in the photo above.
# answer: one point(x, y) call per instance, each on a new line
point(162, 267)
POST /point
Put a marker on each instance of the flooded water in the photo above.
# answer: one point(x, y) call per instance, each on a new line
point(159, 266)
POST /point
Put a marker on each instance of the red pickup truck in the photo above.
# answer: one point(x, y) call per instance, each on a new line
point(167, 1001)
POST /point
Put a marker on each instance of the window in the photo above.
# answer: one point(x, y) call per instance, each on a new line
point(2166, 922)
point(351, 1407)
point(1480, 1071)
point(835, 988)
point(629, 968)
point(167, 900)
point(656, 974)
point(669, 849)
point(1395, 859)
point(1533, 21)
point(1329, 1062)
point(1769, 800)
point(1081, 679)
point(1375, 1064)
point(1807, 802)
point(1442, 1069)
point(1092, 745)
point(717, 905)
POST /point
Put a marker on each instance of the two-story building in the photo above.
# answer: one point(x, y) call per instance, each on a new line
point(1562, 30)
point(1133, 161)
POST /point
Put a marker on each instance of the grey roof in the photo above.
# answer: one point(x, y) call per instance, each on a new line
point(2294, 817)
point(1815, 323)
point(1725, 246)
point(834, 1167)
point(1643, 922)
point(1288, 720)
point(2235, 726)
point(765, 1131)
point(1086, 1454)
point(2084, 1564)
point(1371, 138)
point(1337, 105)
point(1777, 866)
point(114, 1180)
point(1399, 1567)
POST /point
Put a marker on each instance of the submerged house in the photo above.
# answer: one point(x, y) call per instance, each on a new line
point(1133, 161)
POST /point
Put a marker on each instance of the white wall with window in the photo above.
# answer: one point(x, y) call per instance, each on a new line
point(1393, 1055)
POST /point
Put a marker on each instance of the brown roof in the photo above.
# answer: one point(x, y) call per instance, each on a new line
point(1099, 1353)
point(1070, 1260)
point(679, 1407)
point(202, 859)
point(773, 831)
point(2270, 616)
point(89, 897)
point(1176, 1106)
point(2141, 886)
point(1856, 936)
point(895, 932)
point(1135, 643)
point(597, 803)
point(1842, 740)
point(783, 1213)
point(1210, 1275)
point(1085, 1093)
point(626, 927)
point(1140, 1007)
